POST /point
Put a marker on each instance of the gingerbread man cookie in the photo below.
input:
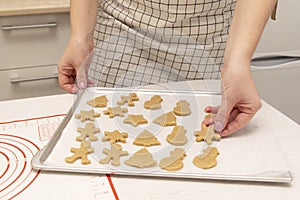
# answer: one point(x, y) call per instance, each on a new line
point(174, 162)
point(178, 136)
point(128, 99)
point(115, 111)
point(167, 119)
point(208, 159)
point(141, 159)
point(135, 120)
point(88, 131)
point(207, 134)
point(98, 102)
point(114, 137)
point(113, 155)
point(200, 135)
point(146, 139)
point(212, 135)
point(182, 108)
point(87, 115)
point(81, 153)
point(154, 103)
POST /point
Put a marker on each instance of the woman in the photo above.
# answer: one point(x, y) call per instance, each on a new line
point(228, 31)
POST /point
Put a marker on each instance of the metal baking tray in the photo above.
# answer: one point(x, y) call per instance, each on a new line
point(252, 154)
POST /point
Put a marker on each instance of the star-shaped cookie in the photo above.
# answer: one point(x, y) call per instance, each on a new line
point(135, 120)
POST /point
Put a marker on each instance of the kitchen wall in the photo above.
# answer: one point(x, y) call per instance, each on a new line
point(276, 65)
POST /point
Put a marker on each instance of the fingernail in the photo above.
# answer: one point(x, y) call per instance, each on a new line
point(82, 85)
point(218, 127)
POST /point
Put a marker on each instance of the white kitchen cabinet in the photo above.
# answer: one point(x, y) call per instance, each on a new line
point(30, 47)
point(28, 82)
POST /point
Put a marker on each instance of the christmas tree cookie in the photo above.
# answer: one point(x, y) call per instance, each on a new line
point(146, 139)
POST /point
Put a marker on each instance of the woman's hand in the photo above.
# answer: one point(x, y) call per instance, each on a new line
point(240, 101)
point(74, 63)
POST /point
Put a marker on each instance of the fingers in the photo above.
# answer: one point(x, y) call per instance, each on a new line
point(74, 64)
point(222, 115)
point(234, 113)
point(81, 77)
point(212, 109)
point(67, 83)
point(236, 120)
point(239, 122)
point(210, 121)
point(90, 83)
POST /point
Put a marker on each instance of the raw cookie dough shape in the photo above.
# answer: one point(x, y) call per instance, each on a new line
point(209, 116)
point(98, 102)
point(87, 115)
point(135, 120)
point(182, 108)
point(200, 135)
point(208, 159)
point(174, 162)
point(115, 111)
point(167, 119)
point(178, 136)
point(154, 103)
point(128, 99)
point(81, 153)
point(141, 159)
point(212, 135)
point(207, 134)
point(114, 137)
point(113, 155)
point(146, 139)
point(88, 131)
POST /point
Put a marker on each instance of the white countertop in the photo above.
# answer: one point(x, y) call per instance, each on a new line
point(286, 130)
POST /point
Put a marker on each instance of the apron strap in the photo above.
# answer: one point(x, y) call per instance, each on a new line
point(274, 12)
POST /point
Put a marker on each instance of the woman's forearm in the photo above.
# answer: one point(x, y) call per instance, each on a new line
point(83, 14)
point(248, 22)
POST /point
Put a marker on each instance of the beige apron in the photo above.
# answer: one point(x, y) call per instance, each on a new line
point(142, 42)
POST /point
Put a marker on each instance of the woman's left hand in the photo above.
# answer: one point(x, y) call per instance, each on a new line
point(240, 101)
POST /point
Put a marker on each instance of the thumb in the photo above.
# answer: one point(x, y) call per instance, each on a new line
point(81, 77)
point(222, 115)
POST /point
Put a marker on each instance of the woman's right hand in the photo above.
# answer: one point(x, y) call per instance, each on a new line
point(74, 63)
